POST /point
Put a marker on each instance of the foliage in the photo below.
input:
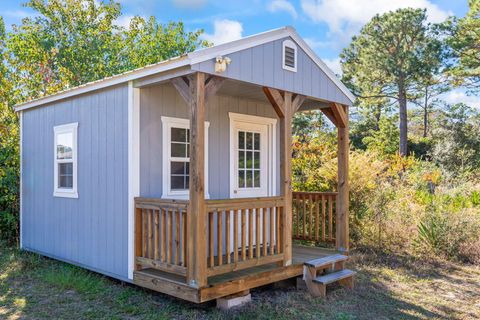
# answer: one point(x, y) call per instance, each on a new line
point(393, 53)
point(148, 42)
point(457, 139)
point(464, 42)
point(65, 44)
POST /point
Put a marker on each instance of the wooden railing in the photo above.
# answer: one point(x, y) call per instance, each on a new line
point(243, 233)
point(313, 216)
point(160, 234)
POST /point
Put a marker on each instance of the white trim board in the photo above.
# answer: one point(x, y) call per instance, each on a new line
point(133, 168)
point(20, 120)
point(194, 58)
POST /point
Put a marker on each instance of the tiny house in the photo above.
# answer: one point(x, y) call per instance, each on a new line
point(177, 176)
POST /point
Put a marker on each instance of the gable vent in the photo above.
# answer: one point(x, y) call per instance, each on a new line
point(289, 56)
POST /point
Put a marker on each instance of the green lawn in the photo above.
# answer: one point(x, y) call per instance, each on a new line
point(33, 287)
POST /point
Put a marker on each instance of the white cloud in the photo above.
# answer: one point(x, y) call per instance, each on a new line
point(124, 20)
point(458, 96)
point(346, 17)
point(334, 65)
point(189, 4)
point(282, 5)
point(224, 31)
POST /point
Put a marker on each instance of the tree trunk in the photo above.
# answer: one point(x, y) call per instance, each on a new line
point(425, 114)
point(378, 115)
point(402, 101)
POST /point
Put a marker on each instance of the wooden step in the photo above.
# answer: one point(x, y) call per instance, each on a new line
point(334, 276)
point(326, 261)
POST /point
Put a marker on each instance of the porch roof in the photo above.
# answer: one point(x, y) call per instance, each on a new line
point(191, 62)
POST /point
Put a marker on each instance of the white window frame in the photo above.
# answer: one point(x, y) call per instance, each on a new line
point(271, 149)
point(167, 124)
point(62, 192)
point(290, 44)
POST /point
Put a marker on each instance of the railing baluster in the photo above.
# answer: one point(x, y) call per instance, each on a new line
point(244, 236)
point(177, 237)
point(227, 236)
point(155, 235)
point(169, 238)
point(184, 239)
point(235, 236)
point(324, 218)
point(212, 239)
point(278, 223)
point(272, 231)
point(310, 210)
point(304, 217)
point(257, 233)
point(219, 237)
point(144, 232)
point(264, 225)
point(250, 233)
point(163, 255)
point(330, 218)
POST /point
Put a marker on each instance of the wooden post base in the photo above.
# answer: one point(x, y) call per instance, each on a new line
point(234, 300)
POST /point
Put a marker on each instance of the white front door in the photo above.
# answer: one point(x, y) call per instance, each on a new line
point(250, 160)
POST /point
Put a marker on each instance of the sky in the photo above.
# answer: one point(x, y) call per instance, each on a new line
point(326, 25)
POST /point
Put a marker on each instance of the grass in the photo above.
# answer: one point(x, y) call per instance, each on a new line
point(388, 287)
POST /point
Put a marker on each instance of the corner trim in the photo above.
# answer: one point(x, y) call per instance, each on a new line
point(133, 167)
point(20, 120)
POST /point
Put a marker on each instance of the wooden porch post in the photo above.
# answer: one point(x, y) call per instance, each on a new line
point(196, 90)
point(285, 106)
point(197, 267)
point(342, 212)
point(286, 177)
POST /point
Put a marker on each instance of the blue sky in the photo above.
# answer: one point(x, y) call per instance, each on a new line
point(327, 25)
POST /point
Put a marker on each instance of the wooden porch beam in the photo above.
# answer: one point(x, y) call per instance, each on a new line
point(329, 114)
point(342, 209)
point(183, 88)
point(276, 100)
point(213, 84)
point(297, 102)
point(339, 114)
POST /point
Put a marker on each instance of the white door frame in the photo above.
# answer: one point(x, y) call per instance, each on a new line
point(271, 160)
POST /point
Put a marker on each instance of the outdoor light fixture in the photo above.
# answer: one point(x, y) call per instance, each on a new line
point(221, 64)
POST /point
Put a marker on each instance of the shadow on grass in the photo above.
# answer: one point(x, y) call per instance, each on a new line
point(35, 287)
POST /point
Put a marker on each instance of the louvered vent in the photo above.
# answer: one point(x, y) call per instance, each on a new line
point(289, 57)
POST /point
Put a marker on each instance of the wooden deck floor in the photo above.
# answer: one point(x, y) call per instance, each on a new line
point(229, 283)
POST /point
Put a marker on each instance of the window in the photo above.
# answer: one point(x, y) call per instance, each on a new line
point(176, 158)
point(248, 159)
point(289, 56)
point(65, 163)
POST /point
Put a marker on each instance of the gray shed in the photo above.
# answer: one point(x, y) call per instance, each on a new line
point(176, 176)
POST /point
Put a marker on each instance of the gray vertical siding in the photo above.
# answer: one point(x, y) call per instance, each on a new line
point(163, 100)
point(91, 230)
point(262, 65)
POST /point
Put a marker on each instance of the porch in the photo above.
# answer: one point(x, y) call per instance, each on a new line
point(202, 249)
point(248, 234)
